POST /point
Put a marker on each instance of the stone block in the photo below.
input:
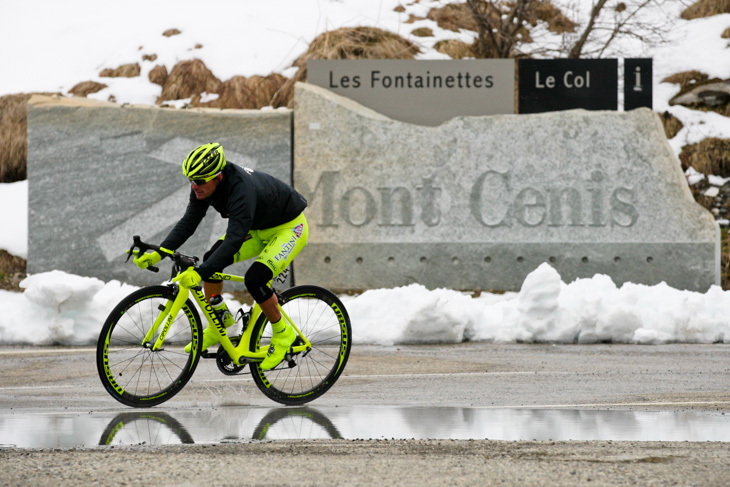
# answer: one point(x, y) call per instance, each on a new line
point(479, 202)
point(99, 173)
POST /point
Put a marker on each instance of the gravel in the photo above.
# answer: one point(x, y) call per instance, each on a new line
point(395, 462)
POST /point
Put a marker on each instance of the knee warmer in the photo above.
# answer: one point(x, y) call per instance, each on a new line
point(257, 280)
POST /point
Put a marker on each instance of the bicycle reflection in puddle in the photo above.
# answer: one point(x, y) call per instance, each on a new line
point(244, 424)
point(160, 428)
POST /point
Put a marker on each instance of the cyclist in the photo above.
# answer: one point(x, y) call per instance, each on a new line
point(265, 219)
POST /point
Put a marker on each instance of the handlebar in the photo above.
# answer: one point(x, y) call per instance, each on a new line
point(181, 261)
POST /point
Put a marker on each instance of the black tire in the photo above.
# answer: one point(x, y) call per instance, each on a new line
point(145, 428)
point(322, 318)
point(295, 424)
point(134, 374)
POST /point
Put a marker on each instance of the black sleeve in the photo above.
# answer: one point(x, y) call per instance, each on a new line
point(187, 225)
point(241, 210)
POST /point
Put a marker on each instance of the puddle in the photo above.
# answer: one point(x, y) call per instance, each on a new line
point(241, 424)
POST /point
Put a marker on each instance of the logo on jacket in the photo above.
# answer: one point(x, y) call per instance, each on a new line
point(298, 230)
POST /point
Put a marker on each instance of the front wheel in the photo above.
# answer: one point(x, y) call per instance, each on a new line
point(323, 319)
point(134, 374)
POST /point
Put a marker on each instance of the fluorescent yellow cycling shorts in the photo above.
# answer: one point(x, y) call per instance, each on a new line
point(275, 247)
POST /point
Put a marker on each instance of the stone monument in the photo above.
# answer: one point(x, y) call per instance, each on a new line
point(100, 173)
point(479, 202)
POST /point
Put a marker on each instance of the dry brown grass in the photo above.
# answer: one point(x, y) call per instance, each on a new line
point(709, 156)
point(171, 32)
point(698, 189)
point(690, 80)
point(12, 271)
point(453, 17)
point(726, 33)
point(85, 88)
point(158, 75)
point(253, 93)
point(347, 43)
point(706, 8)
point(422, 32)
point(188, 79)
point(686, 80)
point(454, 48)
point(413, 18)
point(460, 16)
point(557, 22)
point(123, 71)
point(672, 125)
point(13, 137)
point(457, 16)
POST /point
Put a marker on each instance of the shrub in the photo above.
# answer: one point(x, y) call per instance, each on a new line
point(12, 271)
point(188, 79)
point(347, 43)
point(13, 137)
point(706, 8)
point(454, 48)
point(254, 92)
point(85, 88)
point(691, 80)
point(123, 71)
point(555, 19)
point(709, 156)
point(672, 125)
point(453, 17)
point(158, 75)
point(422, 32)
point(686, 80)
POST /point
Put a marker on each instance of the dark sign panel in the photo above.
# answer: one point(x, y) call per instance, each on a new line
point(547, 85)
point(637, 83)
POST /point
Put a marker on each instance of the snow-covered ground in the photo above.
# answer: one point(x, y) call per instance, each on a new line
point(51, 46)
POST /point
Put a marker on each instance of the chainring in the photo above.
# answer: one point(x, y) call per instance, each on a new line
point(224, 362)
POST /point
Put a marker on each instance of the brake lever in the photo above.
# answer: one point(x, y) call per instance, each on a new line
point(130, 252)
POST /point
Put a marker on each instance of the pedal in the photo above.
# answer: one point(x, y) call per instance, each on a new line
point(208, 354)
point(289, 358)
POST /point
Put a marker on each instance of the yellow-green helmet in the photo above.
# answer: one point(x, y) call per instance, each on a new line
point(204, 162)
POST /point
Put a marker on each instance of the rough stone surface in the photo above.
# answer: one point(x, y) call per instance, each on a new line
point(99, 173)
point(479, 202)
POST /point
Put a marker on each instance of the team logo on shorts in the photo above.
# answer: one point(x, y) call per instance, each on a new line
point(298, 230)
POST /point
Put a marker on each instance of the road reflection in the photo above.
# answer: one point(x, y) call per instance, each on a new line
point(243, 424)
point(160, 428)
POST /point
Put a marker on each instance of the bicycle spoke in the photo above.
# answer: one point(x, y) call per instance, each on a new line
point(315, 313)
point(146, 377)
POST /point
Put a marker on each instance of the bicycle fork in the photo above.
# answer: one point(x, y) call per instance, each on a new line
point(167, 315)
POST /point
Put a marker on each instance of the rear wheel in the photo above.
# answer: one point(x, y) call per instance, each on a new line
point(322, 318)
point(134, 374)
point(145, 428)
point(301, 423)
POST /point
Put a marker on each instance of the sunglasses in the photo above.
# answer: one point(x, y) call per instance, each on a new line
point(198, 182)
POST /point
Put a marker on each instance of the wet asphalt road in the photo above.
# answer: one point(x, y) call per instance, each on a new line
point(674, 377)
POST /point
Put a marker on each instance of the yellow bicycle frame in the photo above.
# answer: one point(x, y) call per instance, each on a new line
point(239, 354)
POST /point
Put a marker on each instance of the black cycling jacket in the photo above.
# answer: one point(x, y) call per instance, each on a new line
point(251, 200)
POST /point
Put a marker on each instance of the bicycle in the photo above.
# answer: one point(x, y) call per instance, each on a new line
point(141, 357)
